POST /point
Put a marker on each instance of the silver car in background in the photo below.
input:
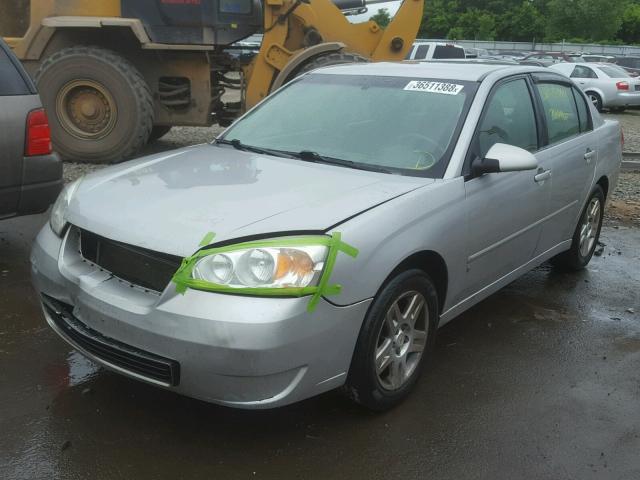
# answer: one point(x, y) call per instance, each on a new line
point(607, 85)
point(326, 235)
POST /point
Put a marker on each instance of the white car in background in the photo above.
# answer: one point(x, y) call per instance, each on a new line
point(607, 85)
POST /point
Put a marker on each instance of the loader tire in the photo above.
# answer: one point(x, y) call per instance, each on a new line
point(327, 60)
point(100, 107)
point(158, 131)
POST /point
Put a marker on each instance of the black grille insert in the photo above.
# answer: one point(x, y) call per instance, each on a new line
point(138, 266)
point(128, 358)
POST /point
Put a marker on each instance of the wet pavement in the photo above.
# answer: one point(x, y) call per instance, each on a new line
point(540, 381)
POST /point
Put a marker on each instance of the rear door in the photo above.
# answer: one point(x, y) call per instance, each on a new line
point(584, 76)
point(570, 154)
point(17, 98)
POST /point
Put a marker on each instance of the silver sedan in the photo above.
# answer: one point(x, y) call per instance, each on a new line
point(324, 237)
point(607, 85)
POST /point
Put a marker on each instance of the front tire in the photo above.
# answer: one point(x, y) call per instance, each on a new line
point(396, 339)
point(585, 236)
point(100, 107)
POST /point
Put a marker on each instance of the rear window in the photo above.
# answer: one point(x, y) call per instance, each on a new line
point(11, 82)
point(448, 51)
point(614, 72)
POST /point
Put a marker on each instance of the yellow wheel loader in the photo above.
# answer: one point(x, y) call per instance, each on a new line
point(114, 74)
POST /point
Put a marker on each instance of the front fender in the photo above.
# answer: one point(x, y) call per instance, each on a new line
point(429, 218)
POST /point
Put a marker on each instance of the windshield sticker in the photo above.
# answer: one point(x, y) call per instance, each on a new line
point(434, 87)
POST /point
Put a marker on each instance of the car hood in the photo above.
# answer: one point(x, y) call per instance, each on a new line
point(169, 202)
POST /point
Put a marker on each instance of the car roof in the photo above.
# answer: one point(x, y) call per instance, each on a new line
point(447, 70)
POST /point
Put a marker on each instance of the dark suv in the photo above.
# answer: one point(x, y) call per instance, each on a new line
point(30, 173)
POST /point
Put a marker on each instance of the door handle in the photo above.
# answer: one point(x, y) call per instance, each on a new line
point(589, 154)
point(542, 176)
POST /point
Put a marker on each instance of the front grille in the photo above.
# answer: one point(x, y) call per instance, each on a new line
point(130, 359)
point(138, 266)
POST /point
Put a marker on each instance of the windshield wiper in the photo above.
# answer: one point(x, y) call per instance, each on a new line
point(315, 157)
point(238, 145)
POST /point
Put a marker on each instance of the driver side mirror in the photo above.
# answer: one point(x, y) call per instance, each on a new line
point(504, 158)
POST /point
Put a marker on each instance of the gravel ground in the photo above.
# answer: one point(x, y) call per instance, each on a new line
point(630, 121)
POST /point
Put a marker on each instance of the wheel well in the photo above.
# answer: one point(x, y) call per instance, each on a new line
point(433, 265)
point(604, 184)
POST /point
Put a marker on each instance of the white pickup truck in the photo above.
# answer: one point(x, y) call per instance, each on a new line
point(435, 51)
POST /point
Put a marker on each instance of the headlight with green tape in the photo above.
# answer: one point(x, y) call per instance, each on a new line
point(284, 267)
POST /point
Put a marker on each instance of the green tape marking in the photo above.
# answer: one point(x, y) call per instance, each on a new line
point(184, 280)
point(208, 239)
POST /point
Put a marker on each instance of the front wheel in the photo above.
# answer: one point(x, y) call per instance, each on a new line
point(586, 235)
point(397, 336)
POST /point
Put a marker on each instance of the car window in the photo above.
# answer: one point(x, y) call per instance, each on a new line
point(583, 110)
point(422, 52)
point(11, 82)
point(560, 111)
point(448, 51)
point(509, 118)
point(583, 72)
point(613, 71)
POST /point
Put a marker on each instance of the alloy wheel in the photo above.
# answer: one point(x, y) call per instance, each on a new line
point(589, 227)
point(401, 340)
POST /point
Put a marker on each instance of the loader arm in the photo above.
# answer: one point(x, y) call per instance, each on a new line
point(291, 27)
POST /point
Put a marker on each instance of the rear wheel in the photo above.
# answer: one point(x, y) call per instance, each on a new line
point(397, 336)
point(596, 100)
point(101, 109)
point(585, 236)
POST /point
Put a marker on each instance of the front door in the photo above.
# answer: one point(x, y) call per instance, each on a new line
point(504, 210)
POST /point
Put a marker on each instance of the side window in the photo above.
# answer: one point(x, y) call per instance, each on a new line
point(560, 111)
point(421, 52)
point(509, 118)
point(583, 72)
point(11, 82)
point(583, 111)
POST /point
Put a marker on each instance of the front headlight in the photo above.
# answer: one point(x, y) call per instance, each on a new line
point(289, 266)
point(59, 211)
point(267, 267)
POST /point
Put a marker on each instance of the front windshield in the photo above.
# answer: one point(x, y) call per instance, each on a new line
point(400, 125)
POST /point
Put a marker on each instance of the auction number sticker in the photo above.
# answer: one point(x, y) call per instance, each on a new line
point(434, 87)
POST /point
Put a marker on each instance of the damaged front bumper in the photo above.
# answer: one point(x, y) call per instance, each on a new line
point(246, 352)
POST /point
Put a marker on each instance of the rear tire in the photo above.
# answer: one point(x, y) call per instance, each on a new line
point(394, 343)
point(586, 235)
point(100, 107)
point(596, 100)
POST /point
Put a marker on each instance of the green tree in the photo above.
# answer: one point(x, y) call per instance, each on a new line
point(594, 20)
point(630, 29)
point(439, 17)
point(521, 23)
point(382, 18)
point(474, 24)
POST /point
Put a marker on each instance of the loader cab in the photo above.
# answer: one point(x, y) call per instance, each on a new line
point(196, 22)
